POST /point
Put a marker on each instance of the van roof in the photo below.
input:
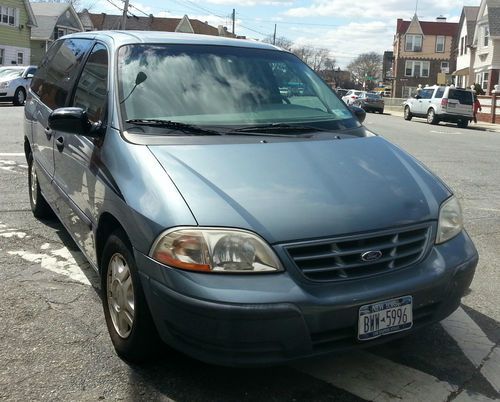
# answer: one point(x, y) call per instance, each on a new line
point(130, 37)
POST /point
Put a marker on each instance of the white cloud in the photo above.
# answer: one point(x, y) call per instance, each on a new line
point(390, 9)
point(348, 41)
point(250, 3)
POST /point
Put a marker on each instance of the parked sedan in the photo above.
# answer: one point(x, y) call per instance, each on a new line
point(238, 225)
point(370, 102)
point(14, 83)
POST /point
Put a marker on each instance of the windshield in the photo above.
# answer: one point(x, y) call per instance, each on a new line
point(224, 86)
point(10, 73)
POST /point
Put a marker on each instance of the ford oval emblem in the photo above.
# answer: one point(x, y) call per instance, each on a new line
point(372, 255)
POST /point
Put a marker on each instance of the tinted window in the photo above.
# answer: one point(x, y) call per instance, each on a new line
point(439, 93)
point(373, 96)
point(464, 97)
point(31, 70)
point(92, 87)
point(426, 93)
point(57, 72)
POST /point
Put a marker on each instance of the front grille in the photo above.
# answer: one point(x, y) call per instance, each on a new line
point(340, 259)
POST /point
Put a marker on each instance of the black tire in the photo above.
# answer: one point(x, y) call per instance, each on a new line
point(463, 123)
point(141, 342)
point(19, 97)
point(407, 113)
point(431, 117)
point(39, 205)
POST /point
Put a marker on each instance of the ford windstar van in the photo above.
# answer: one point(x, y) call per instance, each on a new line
point(240, 223)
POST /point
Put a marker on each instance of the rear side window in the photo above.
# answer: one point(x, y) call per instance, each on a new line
point(92, 88)
point(426, 93)
point(439, 93)
point(57, 71)
point(464, 97)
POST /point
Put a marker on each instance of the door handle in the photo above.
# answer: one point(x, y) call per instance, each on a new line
point(48, 132)
point(60, 143)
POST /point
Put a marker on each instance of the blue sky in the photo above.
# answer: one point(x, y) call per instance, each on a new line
point(345, 27)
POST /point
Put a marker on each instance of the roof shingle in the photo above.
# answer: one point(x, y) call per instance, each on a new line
point(430, 27)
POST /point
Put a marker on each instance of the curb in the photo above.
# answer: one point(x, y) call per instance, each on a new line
point(490, 127)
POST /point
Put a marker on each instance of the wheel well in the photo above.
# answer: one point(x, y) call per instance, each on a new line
point(107, 225)
point(27, 148)
point(21, 88)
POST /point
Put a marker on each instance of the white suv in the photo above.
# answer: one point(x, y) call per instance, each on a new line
point(351, 96)
point(440, 103)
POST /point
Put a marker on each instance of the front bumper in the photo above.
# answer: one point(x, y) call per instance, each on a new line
point(242, 320)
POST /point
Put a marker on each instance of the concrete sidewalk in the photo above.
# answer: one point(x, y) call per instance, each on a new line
point(481, 125)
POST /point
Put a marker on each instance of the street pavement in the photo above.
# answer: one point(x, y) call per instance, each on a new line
point(54, 343)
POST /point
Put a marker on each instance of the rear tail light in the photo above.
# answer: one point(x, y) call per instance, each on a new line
point(444, 102)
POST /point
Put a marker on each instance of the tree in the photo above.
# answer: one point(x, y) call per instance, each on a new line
point(281, 42)
point(318, 59)
point(366, 68)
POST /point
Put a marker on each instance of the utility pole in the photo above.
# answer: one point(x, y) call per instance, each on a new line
point(124, 16)
point(274, 35)
point(233, 17)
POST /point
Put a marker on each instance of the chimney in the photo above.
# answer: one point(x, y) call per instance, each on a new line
point(441, 19)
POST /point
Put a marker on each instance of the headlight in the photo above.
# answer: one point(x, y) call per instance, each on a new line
point(4, 84)
point(450, 220)
point(215, 250)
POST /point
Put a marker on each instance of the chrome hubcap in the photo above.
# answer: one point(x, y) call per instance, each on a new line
point(33, 184)
point(120, 295)
point(20, 97)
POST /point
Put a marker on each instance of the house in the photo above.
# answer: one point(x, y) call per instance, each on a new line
point(486, 46)
point(54, 20)
point(16, 22)
point(103, 21)
point(464, 74)
point(423, 54)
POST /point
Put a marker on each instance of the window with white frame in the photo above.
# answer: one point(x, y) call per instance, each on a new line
point(482, 79)
point(2, 54)
point(440, 40)
point(413, 43)
point(465, 43)
point(486, 35)
point(445, 67)
point(417, 68)
point(462, 40)
point(8, 15)
point(20, 58)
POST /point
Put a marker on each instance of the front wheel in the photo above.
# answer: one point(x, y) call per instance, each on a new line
point(127, 315)
point(407, 113)
point(39, 206)
point(431, 117)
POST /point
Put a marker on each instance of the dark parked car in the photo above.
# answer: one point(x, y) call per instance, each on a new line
point(370, 102)
point(237, 224)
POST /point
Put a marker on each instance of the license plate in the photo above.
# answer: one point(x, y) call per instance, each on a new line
point(385, 317)
point(452, 105)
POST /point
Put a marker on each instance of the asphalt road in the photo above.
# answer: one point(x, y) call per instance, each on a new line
point(54, 344)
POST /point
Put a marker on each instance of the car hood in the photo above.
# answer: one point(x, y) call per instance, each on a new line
point(295, 190)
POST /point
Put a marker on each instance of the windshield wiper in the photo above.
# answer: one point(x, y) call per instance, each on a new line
point(174, 125)
point(273, 127)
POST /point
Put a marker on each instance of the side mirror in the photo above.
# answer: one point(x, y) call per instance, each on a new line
point(73, 120)
point(358, 112)
point(28, 76)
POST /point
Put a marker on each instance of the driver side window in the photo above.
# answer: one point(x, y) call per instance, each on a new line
point(92, 89)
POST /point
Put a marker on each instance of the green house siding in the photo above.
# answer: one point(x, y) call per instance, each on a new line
point(37, 51)
point(15, 36)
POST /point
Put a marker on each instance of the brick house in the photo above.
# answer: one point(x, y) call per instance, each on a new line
point(103, 21)
point(424, 53)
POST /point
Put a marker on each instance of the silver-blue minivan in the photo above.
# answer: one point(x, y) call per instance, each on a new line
point(233, 205)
